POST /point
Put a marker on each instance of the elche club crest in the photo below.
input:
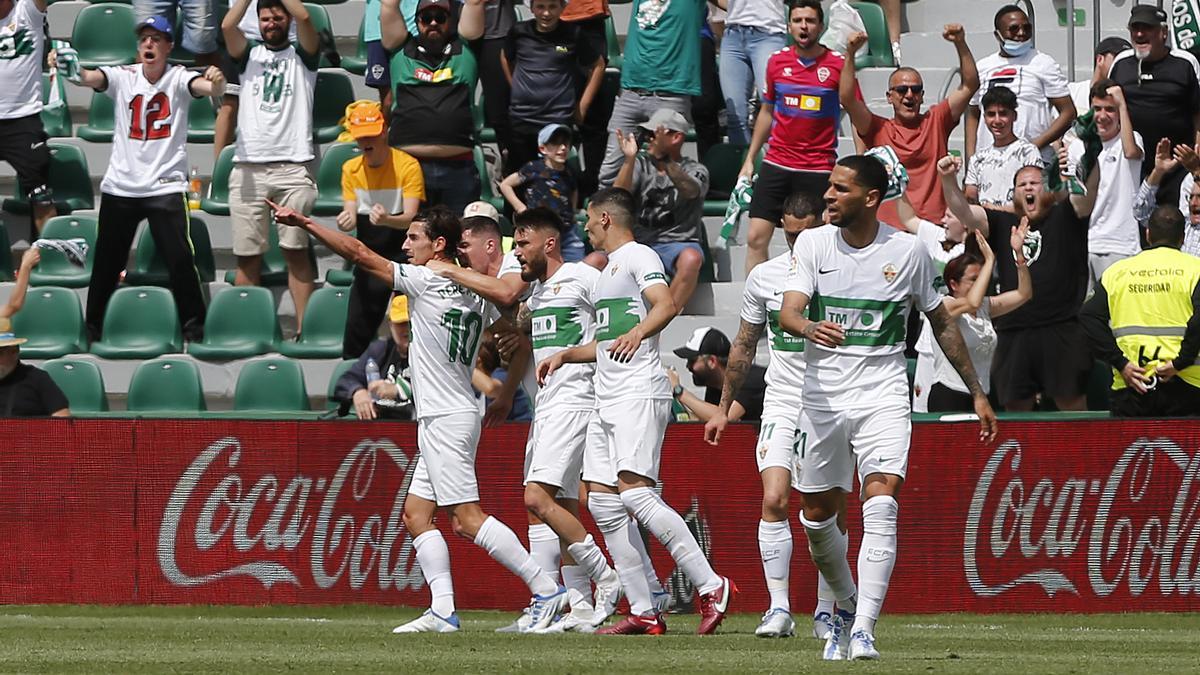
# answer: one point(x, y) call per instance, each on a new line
point(890, 272)
point(823, 74)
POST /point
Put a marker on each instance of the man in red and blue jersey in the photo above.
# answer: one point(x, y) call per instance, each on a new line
point(799, 113)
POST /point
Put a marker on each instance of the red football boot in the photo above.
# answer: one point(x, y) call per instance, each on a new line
point(713, 606)
point(650, 624)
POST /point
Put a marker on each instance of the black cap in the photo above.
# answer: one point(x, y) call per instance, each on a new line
point(1148, 15)
point(1112, 45)
point(704, 342)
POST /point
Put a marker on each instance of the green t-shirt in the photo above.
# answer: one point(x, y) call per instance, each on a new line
point(662, 52)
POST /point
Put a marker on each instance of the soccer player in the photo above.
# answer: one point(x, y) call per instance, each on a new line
point(147, 176)
point(447, 324)
point(777, 439)
point(557, 315)
point(860, 278)
point(632, 305)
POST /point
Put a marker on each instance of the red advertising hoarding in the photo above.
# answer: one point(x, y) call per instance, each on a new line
point(1056, 516)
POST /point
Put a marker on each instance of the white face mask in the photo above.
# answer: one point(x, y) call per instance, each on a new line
point(1016, 49)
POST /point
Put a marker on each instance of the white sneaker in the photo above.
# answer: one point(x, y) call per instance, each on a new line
point(520, 625)
point(821, 625)
point(661, 601)
point(430, 623)
point(777, 622)
point(545, 608)
point(571, 622)
point(837, 645)
point(862, 646)
point(606, 596)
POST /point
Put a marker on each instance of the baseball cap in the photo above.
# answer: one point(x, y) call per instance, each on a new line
point(482, 210)
point(1148, 15)
point(704, 342)
point(426, 4)
point(7, 337)
point(1112, 45)
point(364, 118)
point(158, 23)
point(549, 130)
point(665, 117)
point(398, 309)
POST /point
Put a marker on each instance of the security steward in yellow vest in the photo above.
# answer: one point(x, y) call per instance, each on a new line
point(1144, 321)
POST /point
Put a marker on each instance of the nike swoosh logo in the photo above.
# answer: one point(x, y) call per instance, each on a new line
point(827, 271)
point(778, 292)
point(35, 146)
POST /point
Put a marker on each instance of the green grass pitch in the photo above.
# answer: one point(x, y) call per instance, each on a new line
point(194, 639)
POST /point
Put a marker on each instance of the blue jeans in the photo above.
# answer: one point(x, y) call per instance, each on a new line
point(669, 251)
point(453, 183)
point(743, 70)
point(199, 21)
point(572, 245)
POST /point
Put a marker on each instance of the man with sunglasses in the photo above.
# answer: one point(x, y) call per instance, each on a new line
point(920, 139)
point(434, 75)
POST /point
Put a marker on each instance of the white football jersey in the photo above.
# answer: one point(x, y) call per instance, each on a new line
point(149, 145)
point(447, 323)
point(869, 292)
point(22, 48)
point(619, 306)
point(275, 121)
point(761, 302)
point(561, 316)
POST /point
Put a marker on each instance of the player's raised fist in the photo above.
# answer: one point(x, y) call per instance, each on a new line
point(953, 32)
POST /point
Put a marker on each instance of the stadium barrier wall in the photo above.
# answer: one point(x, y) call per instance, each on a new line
point(1056, 516)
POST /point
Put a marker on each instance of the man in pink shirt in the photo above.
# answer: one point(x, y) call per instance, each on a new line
point(919, 138)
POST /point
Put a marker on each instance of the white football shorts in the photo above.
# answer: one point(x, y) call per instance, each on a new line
point(445, 472)
point(832, 444)
point(554, 451)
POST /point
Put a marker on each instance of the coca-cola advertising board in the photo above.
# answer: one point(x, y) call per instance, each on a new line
point(1083, 516)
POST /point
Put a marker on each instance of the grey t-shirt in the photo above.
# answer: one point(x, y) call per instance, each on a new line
point(499, 16)
point(662, 215)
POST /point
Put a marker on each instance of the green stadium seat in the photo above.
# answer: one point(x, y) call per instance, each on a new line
point(70, 181)
point(329, 178)
point(54, 269)
point(487, 191)
point(6, 262)
point(879, 46)
point(241, 323)
point(274, 269)
point(330, 402)
point(723, 161)
point(333, 93)
point(324, 325)
point(320, 20)
point(202, 120)
point(216, 201)
point(80, 381)
point(56, 119)
point(340, 277)
point(357, 64)
point(178, 54)
point(615, 60)
point(141, 322)
point(150, 269)
point(166, 386)
point(100, 124)
point(52, 320)
point(273, 385)
point(483, 133)
point(102, 33)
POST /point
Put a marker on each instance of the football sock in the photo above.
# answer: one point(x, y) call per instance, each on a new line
point(579, 587)
point(612, 519)
point(662, 521)
point(639, 543)
point(827, 545)
point(876, 558)
point(505, 548)
point(434, 558)
point(775, 547)
point(589, 558)
point(545, 550)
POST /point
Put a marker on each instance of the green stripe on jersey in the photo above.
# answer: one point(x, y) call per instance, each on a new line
point(868, 323)
point(615, 317)
point(781, 340)
point(556, 327)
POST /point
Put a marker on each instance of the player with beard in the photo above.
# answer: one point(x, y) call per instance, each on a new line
point(632, 305)
point(857, 281)
point(148, 171)
point(447, 324)
point(1041, 347)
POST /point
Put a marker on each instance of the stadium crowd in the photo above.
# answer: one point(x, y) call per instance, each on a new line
point(1070, 193)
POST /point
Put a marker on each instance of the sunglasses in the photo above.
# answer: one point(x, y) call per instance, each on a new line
point(903, 89)
point(433, 17)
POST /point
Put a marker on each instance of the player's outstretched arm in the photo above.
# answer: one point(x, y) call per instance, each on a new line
point(741, 357)
point(503, 291)
point(349, 248)
point(945, 330)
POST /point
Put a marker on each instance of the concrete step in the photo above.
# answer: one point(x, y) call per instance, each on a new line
point(975, 15)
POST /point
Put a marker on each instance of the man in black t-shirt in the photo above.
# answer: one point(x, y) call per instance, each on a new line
point(1042, 347)
point(707, 354)
point(1162, 89)
point(555, 73)
point(25, 391)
